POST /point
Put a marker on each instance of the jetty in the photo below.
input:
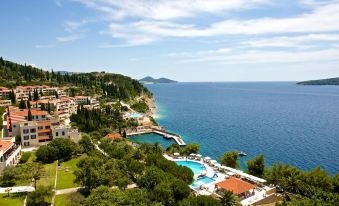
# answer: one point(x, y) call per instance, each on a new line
point(162, 132)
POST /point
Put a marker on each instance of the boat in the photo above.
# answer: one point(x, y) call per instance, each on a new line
point(242, 154)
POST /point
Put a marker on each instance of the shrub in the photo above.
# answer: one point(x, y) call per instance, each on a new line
point(25, 157)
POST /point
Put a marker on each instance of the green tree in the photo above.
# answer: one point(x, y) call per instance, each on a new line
point(200, 201)
point(28, 105)
point(29, 116)
point(229, 199)
point(22, 104)
point(9, 175)
point(40, 197)
point(36, 172)
point(85, 144)
point(191, 148)
point(256, 166)
point(46, 154)
point(230, 159)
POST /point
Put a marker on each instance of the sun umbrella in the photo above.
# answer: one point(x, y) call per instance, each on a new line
point(207, 158)
point(176, 154)
point(217, 165)
point(192, 154)
point(199, 155)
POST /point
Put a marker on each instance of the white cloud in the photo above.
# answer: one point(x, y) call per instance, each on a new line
point(300, 41)
point(260, 56)
point(69, 38)
point(167, 10)
point(321, 19)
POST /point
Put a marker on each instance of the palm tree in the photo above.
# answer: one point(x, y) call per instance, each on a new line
point(229, 199)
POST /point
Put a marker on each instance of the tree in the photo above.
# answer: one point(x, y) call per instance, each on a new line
point(9, 176)
point(37, 171)
point(35, 95)
point(230, 159)
point(89, 172)
point(43, 107)
point(29, 96)
point(22, 104)
point(28, 105)
point(12, 97)
point(124, 134)
point(46, 154)
point(85, 144)
point(29, 116)
point(256, 166)
point(200, 201)
point(229, 199)
point(65, 148)
point(191, 148)
point(39, 197)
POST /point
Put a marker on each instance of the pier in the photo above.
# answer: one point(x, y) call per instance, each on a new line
point(164, 133)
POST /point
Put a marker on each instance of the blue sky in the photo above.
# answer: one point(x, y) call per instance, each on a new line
point(186, 40)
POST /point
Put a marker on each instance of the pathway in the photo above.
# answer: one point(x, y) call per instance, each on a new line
point(55, 183)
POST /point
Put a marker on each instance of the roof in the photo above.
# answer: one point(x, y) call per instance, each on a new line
point(235, 185)
point(113, 136)
point(5, 145)
point(44, 123)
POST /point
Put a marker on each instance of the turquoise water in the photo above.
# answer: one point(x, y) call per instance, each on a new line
point(287, 123)
point(135, 115)
point(194, 166)
point(152, 138)
point(202, 181)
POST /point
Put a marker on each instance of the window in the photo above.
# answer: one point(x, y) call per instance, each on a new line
point(33, 136)
point(26, 137)
point(33, 130)
point(40, 127)
point(56, 133)
point(26, 144)
point(36, 117)
point(43, 116)
point(26, 124)
point(63, 133)
point(25, 131)
point(47, 127)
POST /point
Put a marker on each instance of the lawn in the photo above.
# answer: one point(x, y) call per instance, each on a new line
point(49, 175)
point(65, 174)
point(13, 199)
point(60, 200)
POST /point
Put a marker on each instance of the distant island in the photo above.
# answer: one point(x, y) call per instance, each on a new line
point(330, 81)
point(151, 80)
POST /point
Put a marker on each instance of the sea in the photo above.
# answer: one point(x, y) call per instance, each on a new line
point(285, 122)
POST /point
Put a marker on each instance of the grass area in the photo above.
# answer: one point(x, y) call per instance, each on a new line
point(49, 175)
point(65, 174)
point(13, 199)
point(60, 200)
point(28, 181)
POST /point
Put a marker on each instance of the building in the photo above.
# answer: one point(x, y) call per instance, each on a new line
point(65, 107)
point(113, 136)
point(5, 103)
point(236, 186)
point(5, 92)
point(10, 153)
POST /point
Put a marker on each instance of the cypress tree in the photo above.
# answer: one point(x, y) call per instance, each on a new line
point(43, 107)
point(29, 117)
point(22, 104)
point(28, 104)
point(29, 96)
point(49, 108)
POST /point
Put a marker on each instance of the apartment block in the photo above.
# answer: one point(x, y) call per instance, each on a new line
point(10, 153)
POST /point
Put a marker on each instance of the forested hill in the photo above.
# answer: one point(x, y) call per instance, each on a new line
point(113, 85)
point(331, 81)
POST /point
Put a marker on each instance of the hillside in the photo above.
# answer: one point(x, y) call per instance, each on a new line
point(152, 80)
point(112, 85)
point(330, 81)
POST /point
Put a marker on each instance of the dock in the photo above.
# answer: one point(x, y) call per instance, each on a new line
point(164, 133)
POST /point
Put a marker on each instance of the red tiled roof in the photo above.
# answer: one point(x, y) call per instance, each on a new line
point(114, 136)
point(5, 145)
point(235, 185)
point(44, 123)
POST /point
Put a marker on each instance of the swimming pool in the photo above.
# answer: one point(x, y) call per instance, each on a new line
point(196, 167)
point(135, 115)
point(202, 181)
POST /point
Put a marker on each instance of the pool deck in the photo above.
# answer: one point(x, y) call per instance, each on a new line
point(163, 133)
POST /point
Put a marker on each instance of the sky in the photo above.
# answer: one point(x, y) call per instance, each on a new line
point(185, 40)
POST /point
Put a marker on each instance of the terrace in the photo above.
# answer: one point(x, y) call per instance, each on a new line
point(213, 178)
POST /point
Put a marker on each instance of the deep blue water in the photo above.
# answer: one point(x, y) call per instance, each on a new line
point(287, 123)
